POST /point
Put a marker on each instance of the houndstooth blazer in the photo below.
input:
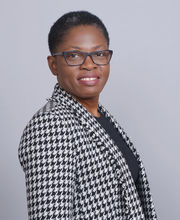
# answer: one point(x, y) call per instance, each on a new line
point(73, 170)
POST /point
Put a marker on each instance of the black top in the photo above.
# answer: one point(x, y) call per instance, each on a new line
point(119, 141)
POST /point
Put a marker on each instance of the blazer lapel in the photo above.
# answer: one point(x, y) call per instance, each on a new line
point(103, 141)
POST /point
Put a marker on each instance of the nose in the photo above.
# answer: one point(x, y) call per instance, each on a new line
point(88, 64)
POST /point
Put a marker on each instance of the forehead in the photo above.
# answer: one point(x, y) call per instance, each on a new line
point(83, 37)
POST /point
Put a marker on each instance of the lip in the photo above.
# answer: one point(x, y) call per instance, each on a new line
point(91, 81)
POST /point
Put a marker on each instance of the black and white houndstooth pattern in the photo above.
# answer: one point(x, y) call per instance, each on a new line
point(73, 169)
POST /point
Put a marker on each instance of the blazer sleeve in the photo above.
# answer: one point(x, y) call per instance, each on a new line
point(47, 157)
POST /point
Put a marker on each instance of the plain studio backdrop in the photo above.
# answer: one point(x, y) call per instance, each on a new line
point(142, 92)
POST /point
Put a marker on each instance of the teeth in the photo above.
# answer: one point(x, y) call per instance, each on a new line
point(88, 79)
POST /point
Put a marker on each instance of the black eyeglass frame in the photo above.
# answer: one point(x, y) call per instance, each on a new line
point(64, 53)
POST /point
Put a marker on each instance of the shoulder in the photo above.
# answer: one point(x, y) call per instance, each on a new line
point(48, 114)
point(51, 116)
point(46, 129)
point(51, 112)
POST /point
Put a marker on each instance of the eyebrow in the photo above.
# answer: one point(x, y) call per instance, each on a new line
point(78, 48)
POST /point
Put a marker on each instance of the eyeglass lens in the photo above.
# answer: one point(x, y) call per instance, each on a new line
point(78, 57)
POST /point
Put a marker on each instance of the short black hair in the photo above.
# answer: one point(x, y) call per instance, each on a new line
point(70, 20)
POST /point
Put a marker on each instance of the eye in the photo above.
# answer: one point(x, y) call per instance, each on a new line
point(100, 54)
point(73, 55)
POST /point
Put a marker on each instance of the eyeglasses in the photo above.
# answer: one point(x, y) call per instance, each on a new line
point(77, 58)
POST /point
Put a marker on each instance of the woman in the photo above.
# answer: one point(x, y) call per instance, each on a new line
point(78, 162)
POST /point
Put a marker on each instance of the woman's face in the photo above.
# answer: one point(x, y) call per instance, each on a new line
point(87, 80)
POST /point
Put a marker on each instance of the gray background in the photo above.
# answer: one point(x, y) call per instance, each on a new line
point(142, 92)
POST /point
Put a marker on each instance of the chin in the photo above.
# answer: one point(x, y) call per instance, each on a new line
point(85, 92)
point(89, 94)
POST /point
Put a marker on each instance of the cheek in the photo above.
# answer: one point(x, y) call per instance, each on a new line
point(105, 72)
point(62, 71)
point(66, 76)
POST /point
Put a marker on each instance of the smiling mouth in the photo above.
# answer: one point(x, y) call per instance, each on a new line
point(89, 78)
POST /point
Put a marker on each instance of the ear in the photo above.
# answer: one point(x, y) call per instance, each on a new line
point(52, 64)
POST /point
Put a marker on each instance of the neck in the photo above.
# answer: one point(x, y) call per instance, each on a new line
point(91, 104)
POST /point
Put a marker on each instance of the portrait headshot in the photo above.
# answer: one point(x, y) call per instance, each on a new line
point(90, 117)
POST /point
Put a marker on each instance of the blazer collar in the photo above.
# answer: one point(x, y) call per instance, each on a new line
point(63, 98)
point(68, 101)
